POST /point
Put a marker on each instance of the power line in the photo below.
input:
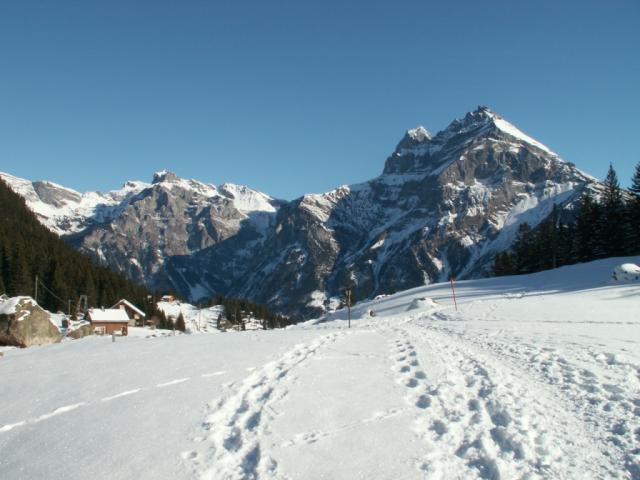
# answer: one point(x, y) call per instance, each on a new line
point(64, 302)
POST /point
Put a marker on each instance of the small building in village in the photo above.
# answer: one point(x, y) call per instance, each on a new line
point(136, 316)
point(108, 320)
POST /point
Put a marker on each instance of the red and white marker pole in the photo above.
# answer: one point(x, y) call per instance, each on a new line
point(453, 290)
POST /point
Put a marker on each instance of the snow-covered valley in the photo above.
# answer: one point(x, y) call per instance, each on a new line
point(534, 376)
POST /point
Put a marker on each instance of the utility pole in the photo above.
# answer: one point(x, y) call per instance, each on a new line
point(349, 305)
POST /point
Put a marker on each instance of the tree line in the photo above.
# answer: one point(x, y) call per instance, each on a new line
point(165, 322)
point(236, 314)
point(237, 311)
point(604, 227)
point(28, 249)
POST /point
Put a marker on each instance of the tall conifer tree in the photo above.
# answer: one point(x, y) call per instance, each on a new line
point(612, 222)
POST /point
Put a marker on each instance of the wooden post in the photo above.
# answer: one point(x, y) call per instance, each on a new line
point(454, 293)
point(35, 293)
point(349, 305)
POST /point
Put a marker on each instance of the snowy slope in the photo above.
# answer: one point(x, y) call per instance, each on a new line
point(534, 376)
point(201, 320)
point(196, 320)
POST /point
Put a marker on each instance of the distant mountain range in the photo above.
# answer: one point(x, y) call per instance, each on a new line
point(444, 205)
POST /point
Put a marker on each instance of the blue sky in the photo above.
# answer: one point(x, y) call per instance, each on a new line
point(291, 97)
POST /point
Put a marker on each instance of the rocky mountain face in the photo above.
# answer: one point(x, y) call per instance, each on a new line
point(444, 205)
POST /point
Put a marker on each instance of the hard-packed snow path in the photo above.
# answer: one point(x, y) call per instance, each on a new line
point(601, 390)
point(483, 418)
point(437, 405)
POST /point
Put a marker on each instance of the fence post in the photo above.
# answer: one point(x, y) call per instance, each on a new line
point(453, 290)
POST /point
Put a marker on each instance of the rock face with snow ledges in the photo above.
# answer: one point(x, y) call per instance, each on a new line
point(172, 218)
point(444, 205)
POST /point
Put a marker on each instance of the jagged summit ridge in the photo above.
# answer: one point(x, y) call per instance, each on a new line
point(420, 152)
point(164, 176)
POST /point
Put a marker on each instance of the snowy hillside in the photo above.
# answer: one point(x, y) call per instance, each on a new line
point(534, 376)
point(201, 320)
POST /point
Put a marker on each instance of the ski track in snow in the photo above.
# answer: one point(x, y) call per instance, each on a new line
point(122, 394)
point(213, 374)
point(173, 382)
point(58, 411)
point(69, 408)
point(609, 407)
point(231, 448)
point(45, 416)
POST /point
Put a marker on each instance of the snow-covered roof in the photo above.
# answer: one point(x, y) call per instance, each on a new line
point(108, 315)
point(131, 306)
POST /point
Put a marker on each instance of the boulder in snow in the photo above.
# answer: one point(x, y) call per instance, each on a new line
point(422, 304)
point(79, 330)
point(627, 272)
point(24, 323)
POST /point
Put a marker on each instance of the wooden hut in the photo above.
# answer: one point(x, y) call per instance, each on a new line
point(136, 316)
point(108, 320)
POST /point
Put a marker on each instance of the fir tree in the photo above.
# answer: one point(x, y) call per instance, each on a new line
point(524, 249)
point(612, 222)
point(566, 235)
point(503, 264)
point(586, 236)
point(633, 214)
point(180, 325)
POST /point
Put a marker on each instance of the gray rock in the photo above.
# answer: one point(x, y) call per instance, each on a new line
point(28, 325)
point(81, 331)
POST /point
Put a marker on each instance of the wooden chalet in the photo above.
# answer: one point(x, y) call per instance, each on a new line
point(109, 320)
point(136, 316)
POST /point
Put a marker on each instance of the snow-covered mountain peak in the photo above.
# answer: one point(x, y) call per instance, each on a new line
point(480, 129)
point(66, 211)
point(164, 176)
point(419, 134)
point(246, 199)
point(482, 112)
point(485, 117)
point(414, 137)
point(133, 186)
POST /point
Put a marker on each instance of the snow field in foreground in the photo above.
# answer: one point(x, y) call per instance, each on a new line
point(534, 376)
